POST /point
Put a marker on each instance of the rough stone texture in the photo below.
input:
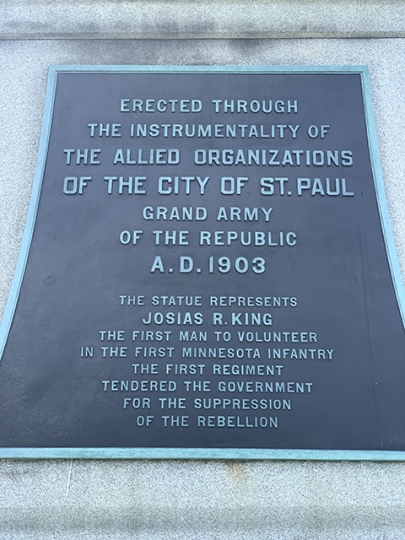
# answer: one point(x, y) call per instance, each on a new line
point(151, 500)
point(230, 19)
point(233, 500)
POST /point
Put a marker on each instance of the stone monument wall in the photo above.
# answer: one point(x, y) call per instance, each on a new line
point(179, 499)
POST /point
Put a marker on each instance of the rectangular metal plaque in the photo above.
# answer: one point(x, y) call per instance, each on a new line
point(207, 271)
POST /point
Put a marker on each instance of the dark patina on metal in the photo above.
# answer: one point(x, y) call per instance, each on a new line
point(208, 267)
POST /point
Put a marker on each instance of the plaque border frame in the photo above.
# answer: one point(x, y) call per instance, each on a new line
point(201, 453)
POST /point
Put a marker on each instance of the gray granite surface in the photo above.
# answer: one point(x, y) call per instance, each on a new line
point(213, 19)
point(178, 500)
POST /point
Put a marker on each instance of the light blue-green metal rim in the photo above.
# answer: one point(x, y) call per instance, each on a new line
point(198, 453)
point(205, 69)
point(381, 196)
point(31, 216)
